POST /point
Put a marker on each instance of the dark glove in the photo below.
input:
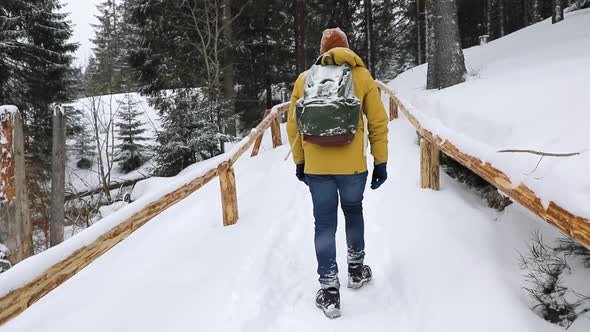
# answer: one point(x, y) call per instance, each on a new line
point(379, 175)
point(299, 172)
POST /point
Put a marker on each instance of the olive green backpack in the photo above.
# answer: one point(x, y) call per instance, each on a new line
point(328, 114)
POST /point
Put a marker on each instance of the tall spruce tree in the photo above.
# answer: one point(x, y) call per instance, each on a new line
point(54, 80)
point(84, 147)
point(187, 134)
point(185, 52)
point(131, 152)
point(13, 48)
point(107, 51)
point(35, 65)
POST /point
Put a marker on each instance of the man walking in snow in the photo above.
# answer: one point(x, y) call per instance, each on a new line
point(335, 111)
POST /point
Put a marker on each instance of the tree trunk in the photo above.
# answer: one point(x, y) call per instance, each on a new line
point(525, 12)
point(557, 11)
point(418, 34)
point(501, 18)
point(228, 70)
point(427, 31)
point(16, 230)
point(369, 35)
point(58, 169)
point(490, 19)
point(300, 35)
point(446, 64)
point(536, 11)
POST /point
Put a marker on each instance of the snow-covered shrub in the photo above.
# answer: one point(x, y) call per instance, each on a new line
point(4, 263)
point(577, 5)
point(552, 299)
point(84, 163)
point(484, 189)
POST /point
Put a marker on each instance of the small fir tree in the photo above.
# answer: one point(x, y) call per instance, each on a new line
point(131, 151)
point(84, 147)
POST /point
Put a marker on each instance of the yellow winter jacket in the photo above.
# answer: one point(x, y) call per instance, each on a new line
point(346, 159)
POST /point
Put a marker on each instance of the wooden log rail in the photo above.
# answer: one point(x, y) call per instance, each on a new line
point(18, 300)
point(576, 227)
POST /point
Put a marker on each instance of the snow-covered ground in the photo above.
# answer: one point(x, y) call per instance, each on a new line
point(528, 90)
point(442, 261)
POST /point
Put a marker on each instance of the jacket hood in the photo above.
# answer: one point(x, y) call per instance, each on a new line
point(340, 56)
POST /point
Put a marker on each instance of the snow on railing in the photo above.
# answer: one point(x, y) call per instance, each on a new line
point(33, 278)
point(576, 227)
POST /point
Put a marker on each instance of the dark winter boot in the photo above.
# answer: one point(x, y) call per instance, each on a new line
point(358, 274)
point(329, 301)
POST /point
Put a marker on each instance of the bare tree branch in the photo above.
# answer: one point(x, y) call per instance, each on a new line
point(540, 153)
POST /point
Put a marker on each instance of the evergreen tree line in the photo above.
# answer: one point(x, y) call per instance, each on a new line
point(211, 67)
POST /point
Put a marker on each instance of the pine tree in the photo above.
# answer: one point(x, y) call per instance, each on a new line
point(90, 85)
point(107, 50)
point(131, 153)
point(84, 147)
point(300, 35)
point(187, 134)
point(395, 44)
point(51, 81)
point(127, 36)
point(12, 45)
point(536, 8)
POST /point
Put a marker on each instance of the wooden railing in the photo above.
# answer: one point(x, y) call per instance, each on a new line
point(18, 300)
point(576, 227)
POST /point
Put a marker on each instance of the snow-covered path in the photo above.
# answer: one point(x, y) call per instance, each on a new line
point(441, 261)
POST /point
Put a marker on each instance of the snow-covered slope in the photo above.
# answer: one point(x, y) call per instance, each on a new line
point(528, 90)
point(442, 262)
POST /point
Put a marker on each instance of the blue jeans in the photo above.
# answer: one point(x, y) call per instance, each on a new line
point(324, 193)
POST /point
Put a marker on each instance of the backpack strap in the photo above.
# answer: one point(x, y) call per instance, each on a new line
point(365, 134)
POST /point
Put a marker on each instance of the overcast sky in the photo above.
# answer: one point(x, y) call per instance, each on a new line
point(82, 15)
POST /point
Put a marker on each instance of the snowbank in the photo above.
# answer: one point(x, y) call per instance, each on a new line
point(528, 91)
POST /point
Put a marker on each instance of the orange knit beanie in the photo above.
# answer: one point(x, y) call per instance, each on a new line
point(333, 38)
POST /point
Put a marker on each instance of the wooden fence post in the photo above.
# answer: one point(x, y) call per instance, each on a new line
point(392, 109)
point(58, 163)
point(429, 165)
point(16, 230)
point(258, 142)
point(275, 129)
point(229, 197)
